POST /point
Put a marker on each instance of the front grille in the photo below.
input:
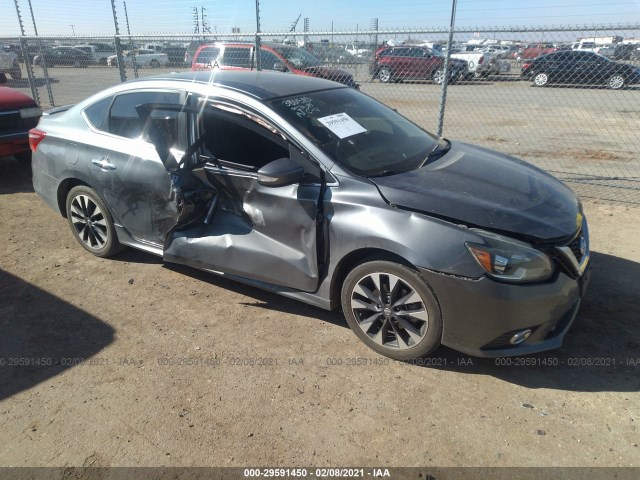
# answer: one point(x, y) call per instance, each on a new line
point(573, 256)
point(575, 247)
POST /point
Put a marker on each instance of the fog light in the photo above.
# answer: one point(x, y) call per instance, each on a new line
point(520, 337)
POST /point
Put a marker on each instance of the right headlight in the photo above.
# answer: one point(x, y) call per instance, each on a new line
point(510, 260)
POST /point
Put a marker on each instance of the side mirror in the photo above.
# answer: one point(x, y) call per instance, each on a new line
point(280, 173)
point(280, 67)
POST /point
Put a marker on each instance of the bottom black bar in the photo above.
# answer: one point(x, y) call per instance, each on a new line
point(394, 473)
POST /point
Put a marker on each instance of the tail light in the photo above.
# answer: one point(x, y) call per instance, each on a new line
point(481, 60)
point(35, 137)
point(526, 65)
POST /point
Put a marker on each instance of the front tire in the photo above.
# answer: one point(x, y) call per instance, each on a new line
point(541, 79)
point(438, 76)
point(385, 75)
point(616, 82)
point(16, 72)
point(392, 310)
point(91, 222)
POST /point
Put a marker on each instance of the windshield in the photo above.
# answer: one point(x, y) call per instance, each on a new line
point(358, 132)
point(298, 57)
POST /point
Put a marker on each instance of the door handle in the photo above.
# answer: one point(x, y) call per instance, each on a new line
point(103, 164)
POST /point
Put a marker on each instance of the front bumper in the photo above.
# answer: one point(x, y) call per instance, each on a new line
point(481, 315)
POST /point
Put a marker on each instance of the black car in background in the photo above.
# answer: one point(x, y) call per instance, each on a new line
point(64, 56)
point(579, 68)
point(626, 51)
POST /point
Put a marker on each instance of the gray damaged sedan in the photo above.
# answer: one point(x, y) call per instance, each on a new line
point(313, 190)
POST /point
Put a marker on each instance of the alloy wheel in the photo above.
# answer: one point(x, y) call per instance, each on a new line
point(89, 222)
point(616, 82)
point(541, 79)
point(389, 311)
point(384, 75)
point(438, 76)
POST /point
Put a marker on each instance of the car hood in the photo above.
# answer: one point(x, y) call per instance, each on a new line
point(486, 189)
point(10, 98)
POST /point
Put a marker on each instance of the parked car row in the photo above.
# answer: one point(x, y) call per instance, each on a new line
point(142, 58)
point(276, 57)
point(579, 67)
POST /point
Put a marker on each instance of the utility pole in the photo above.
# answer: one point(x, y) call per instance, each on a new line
point(73, 30)
point(205, 27)
point(196, 20)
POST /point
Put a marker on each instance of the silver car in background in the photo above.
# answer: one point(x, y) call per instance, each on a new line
point(313, 190)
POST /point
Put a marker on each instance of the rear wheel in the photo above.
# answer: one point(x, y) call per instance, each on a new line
point(155, 63)
point(438, 76)
point(16, 73)
point(91, 222)
point(384, 74)
point(616, 82)
point(392, 310)
point(541, 79)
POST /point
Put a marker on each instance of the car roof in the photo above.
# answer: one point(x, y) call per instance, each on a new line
point(259, 84)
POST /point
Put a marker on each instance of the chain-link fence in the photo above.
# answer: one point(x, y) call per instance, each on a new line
point(565, 99)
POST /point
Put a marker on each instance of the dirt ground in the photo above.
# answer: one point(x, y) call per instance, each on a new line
point(183, 368)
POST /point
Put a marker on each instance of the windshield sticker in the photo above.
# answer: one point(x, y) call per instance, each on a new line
point(342, 125)
point(302, 106)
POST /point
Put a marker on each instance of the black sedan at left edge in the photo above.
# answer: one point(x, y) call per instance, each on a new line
point(579, 68)
point(64, 56)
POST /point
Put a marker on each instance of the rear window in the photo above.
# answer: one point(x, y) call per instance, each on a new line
point(208, 55)
point(97, 113)
point(125, 122)
point(237, 57)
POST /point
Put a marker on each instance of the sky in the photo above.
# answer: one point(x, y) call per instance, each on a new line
point(94, 17)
